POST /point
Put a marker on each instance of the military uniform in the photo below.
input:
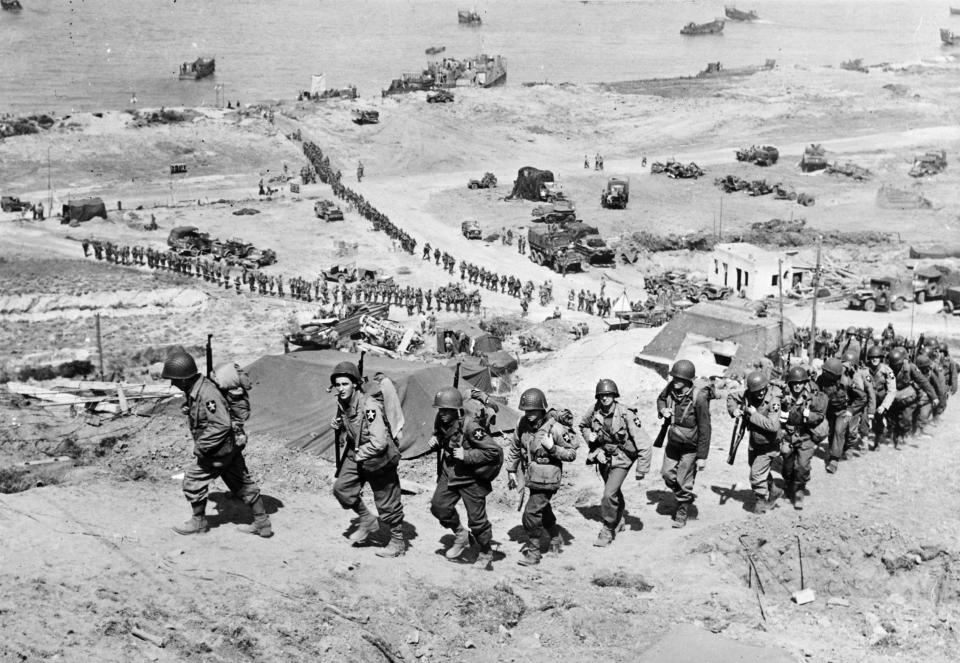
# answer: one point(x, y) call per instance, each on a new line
point(215, 447)
point(910, 384)
point(763, 427)
point(617, 441)
point(688, 439)
point(468, 479)
point(802, 418)
point(846, 397)
point(543, 470)
point(370, 457)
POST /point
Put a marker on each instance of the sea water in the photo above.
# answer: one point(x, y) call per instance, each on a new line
point(64, 55)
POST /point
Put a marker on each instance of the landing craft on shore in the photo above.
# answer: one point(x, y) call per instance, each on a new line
point(735, 14)
point(949, 38)
point(199, 68)
point(433, 50)
point(714, 27)
point(481, 71)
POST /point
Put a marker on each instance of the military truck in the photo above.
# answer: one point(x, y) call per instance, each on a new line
point(561, 211)
point(487, 181)
point(439, 96)
point(616, 195)
point(551, 192)
point(553, 247)
point(189, 241)
point(326, 210)
point(887, 293)
point(951, 301)
point(366, 116)
point(814, 158)
point(589, 244)
point(471, 229)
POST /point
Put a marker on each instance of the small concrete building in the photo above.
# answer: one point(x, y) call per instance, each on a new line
point(751, 271)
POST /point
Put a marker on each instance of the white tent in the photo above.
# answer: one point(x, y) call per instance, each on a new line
point(318, 84)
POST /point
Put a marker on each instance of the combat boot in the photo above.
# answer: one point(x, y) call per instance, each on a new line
point(760, 506)
point(367, 526)
point(530, 554)
point(680, 516)
point(397, 546)
point(460, 543)
point(556, 540)
point(485, 559)
point(798, 499)
point(261, 521)
point(832, 466)
point(198, 523)
point(604, 538)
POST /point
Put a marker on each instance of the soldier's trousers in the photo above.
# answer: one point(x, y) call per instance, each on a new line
point(922, 416)
point(796, 464)
point(679, 471)
point(761, 459)
point(901, 418)
point(538, 514)
point(612, 503)
point(839, 435)
point(384, 483)
point(443, 506)
point(233, 471)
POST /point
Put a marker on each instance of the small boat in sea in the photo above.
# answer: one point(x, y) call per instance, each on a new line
point(481, 71)
point(433, 50)
point(954, 11)
point(735, 14)
point(199, 68)
point(712, 28)
point(469, 17)
point(11, 5)
point(949, 38)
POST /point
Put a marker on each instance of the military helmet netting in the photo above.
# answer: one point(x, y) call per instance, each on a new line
point(684, 370)
point(179, 365)
point(448, 397)
point(533, 399)
point(347, 369)
point(607, 387)
point(798, 374)
point(757, 381)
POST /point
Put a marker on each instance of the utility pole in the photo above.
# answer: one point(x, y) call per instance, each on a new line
point(49, 187)
point(816, 288)
point(780, 288)
point(720, 233)
point(99, 344)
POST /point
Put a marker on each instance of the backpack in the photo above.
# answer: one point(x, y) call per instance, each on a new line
point(235, 385)
point(383, 390)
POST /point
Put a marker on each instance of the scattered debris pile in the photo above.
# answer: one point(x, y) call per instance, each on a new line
point(782, 193)
point(22, 126)
point(761, 156)
point(794, 232)
point(854, 65)
point(389, 337)
point(732, 183)
point(677, 170)
point(94, 397)
point(550, 335)
point(631, 246)
point(931, 163)
point(890, 197)
point(849, 169)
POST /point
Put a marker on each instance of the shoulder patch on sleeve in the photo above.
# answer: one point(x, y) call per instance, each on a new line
point(636, 421)
point(478, 433)
point(371, 414)
point(211, 406)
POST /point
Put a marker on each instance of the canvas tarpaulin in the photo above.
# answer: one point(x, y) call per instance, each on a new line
point(289, 398)
point(529, 179)
point(473, 372)
point(83, 210)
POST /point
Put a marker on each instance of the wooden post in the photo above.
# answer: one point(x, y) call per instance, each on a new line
point(780, 288)
point(99, 344)
point(816, 288)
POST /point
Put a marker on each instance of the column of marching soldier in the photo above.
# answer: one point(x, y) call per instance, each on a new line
point(840, 403)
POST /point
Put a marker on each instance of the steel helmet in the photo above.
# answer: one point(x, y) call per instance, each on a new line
point(851, 331)
point(874, 352)
point(179, 365)
point(896, 356)
point(533, 399)
point(684, 370)
point(757, 382)
point(850, 357)
point(607, 387)
point(944, 348)
point(798, 374)
point(833, 366)
point(923, 361)
point(348, 369)
point(448, 397)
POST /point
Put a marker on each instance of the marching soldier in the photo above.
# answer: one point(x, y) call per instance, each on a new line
point(861, 377)
point(686, 415)
point(846, 397)
point(471, 460)
point(369, 456)
point(540, 446)
point(926, 410)
point(910, 382)
point(884, 385)
point(615, 440)
point(803, 421)
point(215, 445)
point(760, 404)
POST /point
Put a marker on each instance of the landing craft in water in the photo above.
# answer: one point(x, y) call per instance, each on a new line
point(481, 71)
point(433, 50)
point(12, 5)
point(469, 17)
point(711, 28)
point(199, 68)
point(948, 38)
point(735, 14)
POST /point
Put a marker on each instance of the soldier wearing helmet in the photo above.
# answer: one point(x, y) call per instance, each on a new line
point(859, 424)
point(759, 404)
point(215, 448)
point(686, 414)
point(803, 422)
point(948, 368)
point(540, 445)
point(471, 460)
point(369, 457)
point(884, 385)
point(845, 398)
point(910, 383)
point(926, 411)
point(851, 342)
point(616, 440)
